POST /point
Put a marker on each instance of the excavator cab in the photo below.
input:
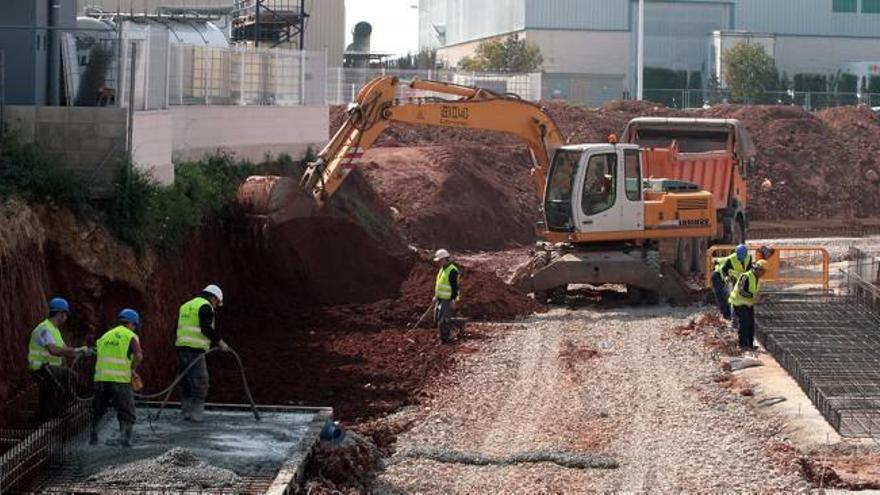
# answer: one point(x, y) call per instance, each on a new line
point(595, 188)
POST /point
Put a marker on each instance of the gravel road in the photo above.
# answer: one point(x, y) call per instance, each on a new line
point(613, 382)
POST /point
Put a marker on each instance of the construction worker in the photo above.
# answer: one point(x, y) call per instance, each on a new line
point(727, 271)
point(119, 354)
point(446, 293)
point(743, 298)
point(196, 334)
point(46, 353)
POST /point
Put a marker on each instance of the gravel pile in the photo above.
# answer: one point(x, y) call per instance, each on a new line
point(561, 458)
point(177, 469)
point(646, 400)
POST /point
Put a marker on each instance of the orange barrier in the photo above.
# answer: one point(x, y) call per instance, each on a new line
point(796, 265)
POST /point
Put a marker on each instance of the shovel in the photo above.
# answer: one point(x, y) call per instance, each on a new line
point(430, 307)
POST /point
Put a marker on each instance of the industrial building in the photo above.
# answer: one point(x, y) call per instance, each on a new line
point(589, 46)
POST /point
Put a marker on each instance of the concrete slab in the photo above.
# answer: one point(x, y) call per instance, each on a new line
point(804, 424)
point(271, 452)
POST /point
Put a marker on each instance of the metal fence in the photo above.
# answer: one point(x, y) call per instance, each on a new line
point(811, 100)
point(343, 84)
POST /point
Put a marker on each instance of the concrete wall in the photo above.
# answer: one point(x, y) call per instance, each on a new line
point(89, 141)
point(248, 132)
point(325, 29)
point(817, 54)
point(583, 52)
point(152, 144)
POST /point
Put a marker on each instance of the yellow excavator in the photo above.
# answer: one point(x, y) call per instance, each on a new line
point(603, 221)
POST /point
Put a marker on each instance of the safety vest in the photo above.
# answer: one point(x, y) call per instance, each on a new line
point(114, 363)
point(737, 297)
point(442, 287)
point(739, 268)
point(189, 331)
point(39, 355)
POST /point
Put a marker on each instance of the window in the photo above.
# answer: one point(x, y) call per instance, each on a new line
point(599, 184)
point(557, 208)
point(871, 6)
point(844, 5)
point(633, 175)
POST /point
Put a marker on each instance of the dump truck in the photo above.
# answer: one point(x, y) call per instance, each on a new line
point(604, 219)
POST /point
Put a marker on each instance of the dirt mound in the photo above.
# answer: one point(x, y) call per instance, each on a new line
point(484, 297)
point(329, 260)
point(346, 467)
point(465, 197)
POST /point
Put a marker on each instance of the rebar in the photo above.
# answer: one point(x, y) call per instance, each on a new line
point(830, 344)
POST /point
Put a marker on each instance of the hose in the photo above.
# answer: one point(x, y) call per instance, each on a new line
point(170, 388)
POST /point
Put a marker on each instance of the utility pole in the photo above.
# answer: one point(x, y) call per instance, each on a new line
point(640, 53)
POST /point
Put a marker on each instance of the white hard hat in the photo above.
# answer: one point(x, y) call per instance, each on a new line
point(441, 254)
point(216, 292)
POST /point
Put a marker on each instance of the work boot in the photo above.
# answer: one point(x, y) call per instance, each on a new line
point(198, 410)
point(186, 407)
point(126, 432)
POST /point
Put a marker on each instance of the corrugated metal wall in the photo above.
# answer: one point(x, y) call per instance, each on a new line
point(149, 6)
point(677, 34)
point(578, 14)
point(813, 17)
point(473, 19)
point(325, 29)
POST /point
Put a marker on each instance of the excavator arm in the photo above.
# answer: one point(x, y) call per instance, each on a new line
point(377, 107)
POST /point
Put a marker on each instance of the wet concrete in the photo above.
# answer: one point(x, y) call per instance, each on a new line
point(227, 439)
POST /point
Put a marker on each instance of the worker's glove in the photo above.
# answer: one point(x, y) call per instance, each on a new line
point(84, 351)
point(223, 346)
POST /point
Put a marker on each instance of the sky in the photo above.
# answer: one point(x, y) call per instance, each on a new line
point(395, 24)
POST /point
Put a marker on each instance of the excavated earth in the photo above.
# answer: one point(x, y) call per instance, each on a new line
point(446, 184)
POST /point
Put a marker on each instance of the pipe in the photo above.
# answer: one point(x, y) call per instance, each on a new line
point(54, 54)
point(640, 53)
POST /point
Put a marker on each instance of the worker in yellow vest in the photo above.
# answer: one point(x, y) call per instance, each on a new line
point(196, 334)
point(119, 354)
point(743, 298)
point(46, 354)
point(446, 293)
point(727, 271)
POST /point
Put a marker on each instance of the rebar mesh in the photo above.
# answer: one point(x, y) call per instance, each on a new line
point(830, 344)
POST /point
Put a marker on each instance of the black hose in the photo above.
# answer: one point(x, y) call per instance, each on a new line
point(170, 388)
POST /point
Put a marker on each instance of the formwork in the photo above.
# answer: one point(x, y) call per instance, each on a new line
point(268, 456)
point(830, 344)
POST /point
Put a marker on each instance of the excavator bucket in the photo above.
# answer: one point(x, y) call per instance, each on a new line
point(268, 200)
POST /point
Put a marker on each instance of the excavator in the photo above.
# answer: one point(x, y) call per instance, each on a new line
point(603, 220)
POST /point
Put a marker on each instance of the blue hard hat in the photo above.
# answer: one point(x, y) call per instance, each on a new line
point(131, 316)
point(741, 252)
point(59, 304)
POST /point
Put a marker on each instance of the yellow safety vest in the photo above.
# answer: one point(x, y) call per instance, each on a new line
point(739, 268)
point(39, 355)
point(189, 331)
point(442, 287)
point(737, 297)
point(113, 362)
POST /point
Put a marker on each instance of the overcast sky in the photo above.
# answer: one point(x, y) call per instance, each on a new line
point(395, 24)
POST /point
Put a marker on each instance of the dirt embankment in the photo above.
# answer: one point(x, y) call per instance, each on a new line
point(817, 165)
point(315, 312)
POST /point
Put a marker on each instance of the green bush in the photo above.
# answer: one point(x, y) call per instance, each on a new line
point(25, 173)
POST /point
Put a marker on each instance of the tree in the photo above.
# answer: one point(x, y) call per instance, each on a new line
point(749, 71)
point(508, 55)
point(425, 59)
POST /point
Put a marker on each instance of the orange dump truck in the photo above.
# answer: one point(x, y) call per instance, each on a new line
point(716, 155)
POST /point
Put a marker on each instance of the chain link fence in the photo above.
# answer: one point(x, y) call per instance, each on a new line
point(343, 84)
point(810, 100)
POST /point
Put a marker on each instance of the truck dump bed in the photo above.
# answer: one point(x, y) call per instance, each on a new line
point(702, 151)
